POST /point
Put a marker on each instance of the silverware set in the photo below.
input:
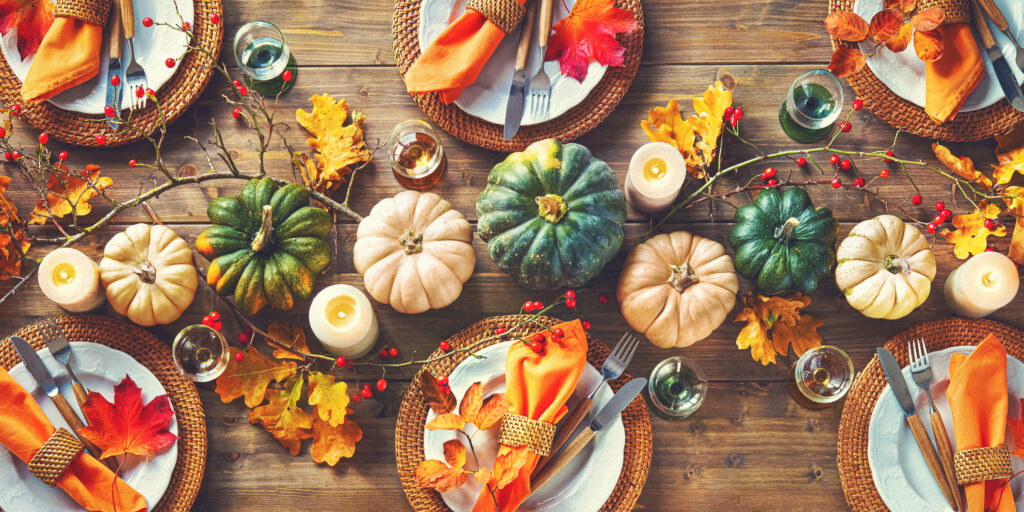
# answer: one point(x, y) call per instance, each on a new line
point(1004, 75)
point(132, 77)
point(540, 84)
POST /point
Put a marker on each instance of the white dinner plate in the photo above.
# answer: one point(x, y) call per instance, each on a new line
point(897, 466)
point(153, 45)
point(99, 368)
point(904, 74)
point(582, 486)
point(487, 97)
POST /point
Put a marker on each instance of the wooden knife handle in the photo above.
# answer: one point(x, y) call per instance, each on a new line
point(982, 27)
point(545, 22)
point(128, 18)
point(114, 34)
point(559, 462)
point(924, 443)
point(76, 424)
point(946, 458)
point(525, 34)
point(993, 12)
point(569, 425)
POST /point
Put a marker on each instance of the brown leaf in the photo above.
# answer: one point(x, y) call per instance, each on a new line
point(885, 24)
point(471, 402)
point(900, 42)
point(846, 26)
point(13, 240)
point(508, 464)
point(446, 422)
point(928, 19)
point(483, 475)
point(436, 475)
point(928, 45)
point(455, 453)
point(440, 400)
point(491, 412)
point(846, 61)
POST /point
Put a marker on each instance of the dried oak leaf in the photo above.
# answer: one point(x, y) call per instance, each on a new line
point(886, 24)
point(492, 411)
point(471, 402)
point(970, 236)
point(1014, 199)
point(928, 19)
point(13, 242)
point(330, 398)
point(250, 376)
point(901, 41)
point(847, 61)
point(447, 421)
point(126, 425)
point(775, 323)
point(1010, 154)
point(283, 417)
point(666, 124)
point(69, 192)
point(962, 166)
point(588, 33)
point(696, 138)
point(282, 338)
point(436, 475)
point(1017, 432)
point(928, 45)
point(846, 26)
point(338, 146)
point(332, 443)
point(32, 18)
point(441, 401)
point(508, 464)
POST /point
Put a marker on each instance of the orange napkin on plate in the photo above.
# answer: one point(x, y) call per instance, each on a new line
point(951, 78)
point(23, 430)
point(978, 398)
point(70, 52)
point(538, 387)
point(454, 60)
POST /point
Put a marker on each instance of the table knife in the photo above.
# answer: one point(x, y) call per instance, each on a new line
point(114, 38)
point(606, 415)
point(898, 385)
point(1002, 68)
point(517, 93)
point(993, 12)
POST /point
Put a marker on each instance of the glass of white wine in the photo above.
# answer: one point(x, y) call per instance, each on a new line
point(823, 374)
point(677, 387)
point(200, 353)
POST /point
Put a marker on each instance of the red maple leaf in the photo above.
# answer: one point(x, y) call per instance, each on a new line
point(588, 33)
point(127, 426)
point(32, 18)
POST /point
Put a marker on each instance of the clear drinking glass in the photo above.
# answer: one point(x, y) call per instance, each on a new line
point(677, 387)
point(416, 155)
point(823, 374)
point(812, 106)
point(200, 353)
point(260, 50)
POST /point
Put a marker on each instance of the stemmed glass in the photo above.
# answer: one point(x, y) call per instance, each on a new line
point(812, 106)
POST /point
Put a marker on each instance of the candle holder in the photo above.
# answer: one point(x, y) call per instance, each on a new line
point(677, 388)
point(200, 353)
point(821, 376)
point(416, 155)
point(812, 106)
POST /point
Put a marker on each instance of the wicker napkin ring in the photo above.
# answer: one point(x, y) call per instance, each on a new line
point(518, 430)
point(50, 462)
point(957, 11)
point(981, 464)
point(91, 11)
point(503, 13)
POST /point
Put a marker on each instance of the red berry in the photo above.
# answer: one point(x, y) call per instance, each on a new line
point(355, 399)
point(217, 325)
point(801, 161)
point(538, 338)
point(728, 112)
point(537, 348)
point(834, 159)
point(570, 303)
point(15, 155)
point(207, 321)
point(939, 206)
point(139, 92)
point(738, 113)
point(150, 92)
point(236, 113)
point(287, 75)
point(169, 62)
point(946, 214)
point(528, 306)
point(383, 353)
point(367, 392)
point(858, 182)
point(215, 316)
point(382, 384)
point(558, 332)
point(845, 165)
point(569, 294)
point(62, 156)
point(147, 22)
point(990, 224)
point(916, 200)
point(236, 83)
point(603, 299)
point(214, 18)
point(888, 154)
point(3, 133)
point(393, 352)
point(243, 337)
point(932, 227)
point(445, 346)
point(16, 109)
point(340, 361)
point(938, 220)
point(538, 306)
point(243, 91)
point(884, 173)
point(586, 325)
point(44, 138)
point(989, 249)
point(836, 183)
point(7, 156)
point(186, 26)
point(500, 330)
point(133, 162)
point(858, 104)
point(773, 182)
point(733, 122)
point(109, 111)
point(115, 80)
point(442, 380)
point(239, 356)
point(846, 126)
point(101, 139)
point(768, 173)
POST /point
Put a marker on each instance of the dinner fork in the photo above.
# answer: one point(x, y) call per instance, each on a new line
point(134, 75)
point(540, 84)
point(921, 369)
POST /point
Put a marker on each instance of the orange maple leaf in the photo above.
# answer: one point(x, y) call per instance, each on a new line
point(250, 376)
point(775, 323)
point(127, 426)
point(588, 33)
point(69, 192)
point(283, 417)
point(32, 18)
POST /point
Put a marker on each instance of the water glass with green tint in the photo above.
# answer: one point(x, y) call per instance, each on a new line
point(812, 106)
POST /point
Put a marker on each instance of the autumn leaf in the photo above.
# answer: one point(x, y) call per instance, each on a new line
point(928, 45)
point(436, 475)
point(492, 411)
point(775, 323)
point(588, 34)
point(901, 41)
point(962, 167)
point(338, 146)
point(32, 18)
point(847, 61)
point(454, 453)
point(441, 401)
point(126, 425)
point(283, 417)
point(928, 19)
point(508, 464)
point(250, 376)
point(332, 443)
point(483, 475)
point(907, 6)
point(886, 24)
point(294, 338)
point(13, 242)
point(471, 402)
point(696, 138)
point(446, 422)
point(846, 26)
point(970, 236)
point(329, 397)
point(69, 192)
point(1014, 199)
point(1011, 160)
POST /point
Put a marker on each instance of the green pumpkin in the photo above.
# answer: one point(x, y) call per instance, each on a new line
point(552, 215)
point(265, 246)
point(784, 242)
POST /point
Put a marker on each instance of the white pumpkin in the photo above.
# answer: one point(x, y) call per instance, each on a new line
point(676, 288)
point(885, 267)
point(414, 252)
point(149, 274)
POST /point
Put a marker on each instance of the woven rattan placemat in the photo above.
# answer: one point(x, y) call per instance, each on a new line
point(156, 357)
point(413, 415)
point(854, 470)
point(569, 126)
point(176, 96)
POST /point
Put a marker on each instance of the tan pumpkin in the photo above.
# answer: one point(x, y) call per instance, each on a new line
point(149, 274)
point(885, 267)
point(676, 288)
point(414, 252)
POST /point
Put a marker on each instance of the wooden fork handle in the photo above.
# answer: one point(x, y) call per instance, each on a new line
point(924, 443)
point(946, 459)
point(559, 462)
point(993, 12)
point(128, 18)
point(569, 425)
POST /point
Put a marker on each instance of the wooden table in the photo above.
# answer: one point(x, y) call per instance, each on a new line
point(750, 447)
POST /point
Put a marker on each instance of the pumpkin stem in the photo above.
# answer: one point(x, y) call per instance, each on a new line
point(551, 207)
point(896, 265)
point(146, 272)
point(267, 229)
point(412, 241)
point(682, 277)
point(784, 232)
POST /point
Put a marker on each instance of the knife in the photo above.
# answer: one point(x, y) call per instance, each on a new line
point(608, 413)
point(45, 380)
point(517, 93)
point(993, 12)
point(1003, 73)
point(898, 385)
point(114, 68)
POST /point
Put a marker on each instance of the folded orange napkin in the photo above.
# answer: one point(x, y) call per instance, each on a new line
point(977, 400)
point(454, 60)
point(951, 79)
point(23, 430)
point(70, 52)
point(538, 387)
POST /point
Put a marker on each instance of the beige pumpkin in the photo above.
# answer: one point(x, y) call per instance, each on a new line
point(885, 267)
point(676, 288)
point(414, 252)
point(149, 274)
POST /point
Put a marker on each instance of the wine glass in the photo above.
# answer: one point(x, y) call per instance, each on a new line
point(200, 353)
point(677, 387)
point(823, 375)
point(812, 106)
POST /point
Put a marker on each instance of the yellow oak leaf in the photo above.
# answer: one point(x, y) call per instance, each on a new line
point(454, 453)
point(13, 242)
point(436, 475)
point(447, 421)
point(337, 146)
point(329, 397)
point(282, 338)
point(775, 323)
point(1011, 162)
point(962, 167)
point(69, 192)
point(250, 376)
point(332, 443)
point(283, 417)
point(471, 402)
point(971, 235)
point(696, 138)
point(492, 411)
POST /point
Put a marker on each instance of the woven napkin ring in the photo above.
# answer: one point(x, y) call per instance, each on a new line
point(981, 464)
point(957, 11)
point(503, 13)
point(91, 11)
point(518, 430)
point(50, 462)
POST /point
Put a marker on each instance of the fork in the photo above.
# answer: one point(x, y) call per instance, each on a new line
point(134, 75)
point(540, 84)
point(614, 365)
point(921, 369)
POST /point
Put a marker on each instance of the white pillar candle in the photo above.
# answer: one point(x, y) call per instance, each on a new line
point(343, 320)
point(656, 174)
point(72, 280)
point(981, 285)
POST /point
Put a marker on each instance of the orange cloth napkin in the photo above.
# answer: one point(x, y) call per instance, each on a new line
point(950, 79)
point(454, 60)
point(23, 430)
point(977, 399)
point(538, 387)
point(69, 55)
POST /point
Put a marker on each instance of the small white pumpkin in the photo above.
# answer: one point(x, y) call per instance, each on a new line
point(149, 274)
point(885, 268)
point(414, 252)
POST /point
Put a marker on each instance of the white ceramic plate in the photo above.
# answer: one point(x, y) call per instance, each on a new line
point(99, 368)
point(897, 466)
point(904, 74)
point(153, 46)
point(582, 486)
point(487, 97)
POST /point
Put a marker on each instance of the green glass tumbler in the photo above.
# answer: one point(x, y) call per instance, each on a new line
point(812, 106)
